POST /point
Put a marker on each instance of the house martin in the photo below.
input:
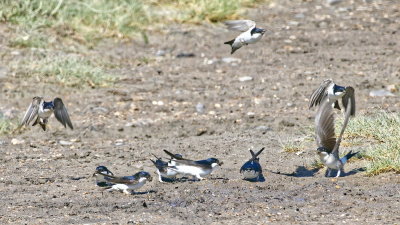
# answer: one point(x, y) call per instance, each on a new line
point(165, 173)
point(251, 34)
point(337, 95)
point(251, 170)
point(197, 169)
point(102, 181)
point(328, 146)
point(40, 111)
point(126, 184)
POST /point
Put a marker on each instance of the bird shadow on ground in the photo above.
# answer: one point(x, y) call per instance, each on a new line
point(260, 178)
point(143, 192)
point(344, 174)
point(187, 179)
point(301, 171)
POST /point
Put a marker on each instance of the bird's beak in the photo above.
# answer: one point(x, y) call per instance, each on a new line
point(263, 31)
point(220, 163)
point(150, 178)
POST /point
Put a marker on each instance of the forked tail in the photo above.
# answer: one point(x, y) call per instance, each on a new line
point(231, 44)
point(348, 156)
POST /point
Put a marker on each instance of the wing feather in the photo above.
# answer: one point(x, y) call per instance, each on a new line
point(325, 128)
point(174, 156)
point(61, 113)
point(319, 94)
point(32, 111)
point(345, 122)
point(349, 96)
point(119, 180)
point(240, 25)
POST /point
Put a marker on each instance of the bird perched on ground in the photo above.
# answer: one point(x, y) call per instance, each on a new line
point(40, 111)
point(252, 170)
point(251, 34)
point(339, 96)
point(197, 169)
point(165, 173)
point(101, 180)
point(328, 146)
point(126, 184)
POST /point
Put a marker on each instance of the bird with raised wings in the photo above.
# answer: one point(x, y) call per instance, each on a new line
point(328, 145)
point(40, 111)
point(250, 33)
point(338, 96)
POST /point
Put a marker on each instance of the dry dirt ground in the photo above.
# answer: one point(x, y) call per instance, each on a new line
point(153, 108)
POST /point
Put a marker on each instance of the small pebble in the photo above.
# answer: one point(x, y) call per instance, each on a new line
point(160, 53)
point(392, 88)
point(246, 78)
point(231, 60)
point(263, 128)
point(65, 142)
point(333, 2)
point(15, 141)
point(380, 93)
point(200, 108)
point(251, 114)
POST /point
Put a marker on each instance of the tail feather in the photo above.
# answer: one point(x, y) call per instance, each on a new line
point(153, 162)
point(172, 155)
point(348, 156)
point(230, 42)
point(36, 121)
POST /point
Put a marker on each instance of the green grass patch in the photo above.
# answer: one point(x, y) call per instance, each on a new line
point(29, 41)
point(375, 136)
point(7, 126)
point(91, 20)
point(198, 11)
point(382, 130)
point(292, 146)
point(317, 164)
point(65, 70)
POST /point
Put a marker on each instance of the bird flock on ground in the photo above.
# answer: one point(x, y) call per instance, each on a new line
point(327, 97)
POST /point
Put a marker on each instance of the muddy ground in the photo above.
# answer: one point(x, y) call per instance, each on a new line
point(153, 107)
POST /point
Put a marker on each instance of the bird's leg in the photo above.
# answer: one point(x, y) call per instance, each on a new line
point(199, 177)
point(160, 178)
point(338, 173)
point(329, 172)
point(127, 192)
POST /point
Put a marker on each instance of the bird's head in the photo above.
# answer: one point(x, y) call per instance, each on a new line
point(257, 30)
point(103, 169)
point(48, 105)
point(143, 174)
point(214, 162)
point(321, 151)
point(338, 90)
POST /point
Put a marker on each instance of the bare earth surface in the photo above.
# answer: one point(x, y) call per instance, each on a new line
point(153, 107)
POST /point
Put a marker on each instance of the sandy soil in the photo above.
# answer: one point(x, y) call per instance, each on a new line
point(154, 107)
